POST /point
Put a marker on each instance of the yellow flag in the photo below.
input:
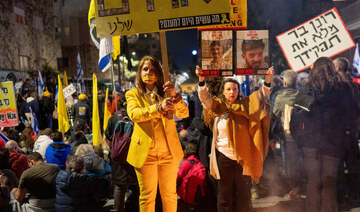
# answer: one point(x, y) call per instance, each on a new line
point(65, 80)
point(107, 113)
point(63, 120)
point(116, 46)
point(95, 115)
point(91, 13)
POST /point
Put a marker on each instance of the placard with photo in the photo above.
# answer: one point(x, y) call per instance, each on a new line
point(252, 52)
point(217, 53)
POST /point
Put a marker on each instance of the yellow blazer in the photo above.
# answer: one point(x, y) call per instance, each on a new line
point(141, 112)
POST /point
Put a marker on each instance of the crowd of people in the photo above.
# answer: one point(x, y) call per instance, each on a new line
point(297, 131)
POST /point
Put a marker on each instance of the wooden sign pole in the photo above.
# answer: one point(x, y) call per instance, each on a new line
point(165, 64)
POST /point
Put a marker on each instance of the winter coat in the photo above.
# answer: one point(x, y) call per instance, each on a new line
point(18, 163)
point(77, 141)
point(78, 192)
point(57, 153)
point(247, 126)
point(81, 112)
point(41, 144)
point(96, 166)
point(332, 113)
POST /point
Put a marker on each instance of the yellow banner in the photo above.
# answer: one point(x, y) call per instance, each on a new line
point(8, 112)
point(238, 16)
point(144, 16)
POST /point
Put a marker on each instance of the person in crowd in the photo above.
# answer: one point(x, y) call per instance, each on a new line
point(11, 133)
point(78, 139)
point(240, 140)
point(47, 107)
point(282, 110)
point(155, 150)
point(43, 141)
point(4, 159)
point(4, 195)
point(57, 152)
point(94, 165)
point(302, 79)
point(81, 112)
point(217, 53)
point(39, 182)
point(185, 165)
point(17, 160)
point(27, 140)
point(331, 112)
point(253, 54)
point(351, 156)
point(123, 174)
point(76, 191)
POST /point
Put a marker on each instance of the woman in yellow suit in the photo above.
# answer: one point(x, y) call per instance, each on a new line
point(155, 150)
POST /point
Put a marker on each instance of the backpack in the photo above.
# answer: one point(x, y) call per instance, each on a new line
point(304, 122)
point(121, 139)
point(192, 187)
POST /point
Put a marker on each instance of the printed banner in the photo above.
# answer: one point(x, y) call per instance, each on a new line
point(8, 111)
point(69, 90)
point(125, 17)
point(252, 52)
point(238, 16)
point(323, 36)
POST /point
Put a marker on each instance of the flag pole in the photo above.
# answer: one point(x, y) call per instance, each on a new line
point(113, 81)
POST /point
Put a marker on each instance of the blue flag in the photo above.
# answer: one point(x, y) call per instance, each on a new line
point(106, 48)
point(41, 86)
point(34, 123)
point(80, 74)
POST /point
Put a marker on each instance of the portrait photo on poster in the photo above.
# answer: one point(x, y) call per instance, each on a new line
point(252, 50)
point(217, 50)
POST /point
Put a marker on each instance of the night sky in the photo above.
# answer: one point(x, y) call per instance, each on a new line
point(180, 44)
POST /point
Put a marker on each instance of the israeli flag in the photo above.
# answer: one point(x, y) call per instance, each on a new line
point(356, 61)
point(95, 39)
point(80, 73)
point(41, 86)
point(56, 94)
point(4, 138)
point(106, 48)
point(34, 123)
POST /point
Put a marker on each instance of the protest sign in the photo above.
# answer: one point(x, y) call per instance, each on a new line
point(252, 52)
point(8, 111)
point(238, 16)
point(69, 90)
point(217, 53)
point(323, 36)
point(125, 17)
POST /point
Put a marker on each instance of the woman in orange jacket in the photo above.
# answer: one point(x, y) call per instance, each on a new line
point(155, 150)
point(240, 140)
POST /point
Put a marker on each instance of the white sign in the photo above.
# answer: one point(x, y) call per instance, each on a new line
point(323, 36)
point(69, 90)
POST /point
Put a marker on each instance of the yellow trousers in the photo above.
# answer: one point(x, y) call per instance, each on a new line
point(158, 169)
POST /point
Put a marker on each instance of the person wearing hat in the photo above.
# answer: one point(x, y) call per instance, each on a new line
point(47, 107)
point(81, 112)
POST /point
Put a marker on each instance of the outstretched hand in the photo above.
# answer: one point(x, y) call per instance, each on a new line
point(199, 73)
point(269, 74)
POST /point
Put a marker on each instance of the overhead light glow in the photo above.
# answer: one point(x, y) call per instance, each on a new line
point(194, 52)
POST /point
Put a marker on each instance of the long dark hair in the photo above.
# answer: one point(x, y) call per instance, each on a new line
point(324, 76)
point(158, 73)
point(221, 93)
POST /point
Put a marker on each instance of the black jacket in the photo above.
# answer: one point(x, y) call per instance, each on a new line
point(332, 114)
